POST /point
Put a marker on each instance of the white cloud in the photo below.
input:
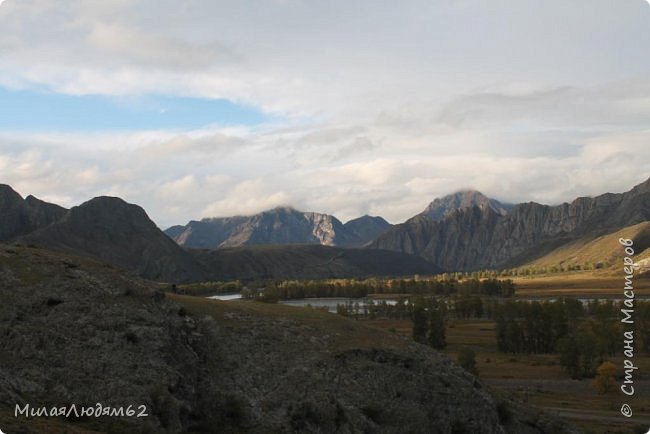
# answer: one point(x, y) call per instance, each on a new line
point(177, 188)
point(247, 198)
point(331, 59)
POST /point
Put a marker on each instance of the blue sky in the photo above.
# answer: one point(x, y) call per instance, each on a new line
point(200, 108)
point(41, 111)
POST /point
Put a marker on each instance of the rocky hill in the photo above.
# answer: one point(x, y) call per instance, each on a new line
point(282, 225)
point(75, 331)
point(121, 234)
point(479, 237)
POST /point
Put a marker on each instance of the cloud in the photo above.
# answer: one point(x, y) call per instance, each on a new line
point(245, 198)
point(331, 60)
point(383, 108)
point(176, 188)
point(623, 103)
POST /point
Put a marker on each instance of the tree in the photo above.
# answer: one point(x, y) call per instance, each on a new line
point(569, 355)
point(467, 359)
point(419, 323)
point(578, 353)
point(437, 338)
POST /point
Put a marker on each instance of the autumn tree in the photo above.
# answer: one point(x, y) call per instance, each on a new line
point(605, 381)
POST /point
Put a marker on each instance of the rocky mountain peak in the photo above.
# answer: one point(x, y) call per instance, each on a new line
point(8, 197)
point(114, 231)
point(111, 212)
point(442, 207)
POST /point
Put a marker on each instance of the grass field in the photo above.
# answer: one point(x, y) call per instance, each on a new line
point(345, 333)
point(581, 283)
point(604, 249)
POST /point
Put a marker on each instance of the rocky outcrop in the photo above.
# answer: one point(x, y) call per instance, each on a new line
point(20, 216)
point(282, 225)
point(476, 238)
point(74, 331)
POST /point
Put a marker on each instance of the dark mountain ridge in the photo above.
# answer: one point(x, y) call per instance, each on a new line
point(20, 216)
point(121, 234)
point(309, 261)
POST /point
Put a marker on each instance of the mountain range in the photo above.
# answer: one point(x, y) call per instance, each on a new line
point(285, 225)
point(463, 231)
point(282, 225)
point(121, 234)
point(480, 237)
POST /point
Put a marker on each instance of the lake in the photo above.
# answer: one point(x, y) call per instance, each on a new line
point(331, 302)
point(226, 297)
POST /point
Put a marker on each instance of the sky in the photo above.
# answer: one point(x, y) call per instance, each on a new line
point(196, 109)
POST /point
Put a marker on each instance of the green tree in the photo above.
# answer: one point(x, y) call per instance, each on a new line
point(437, 338)
point(578, 353)
point(419, 317)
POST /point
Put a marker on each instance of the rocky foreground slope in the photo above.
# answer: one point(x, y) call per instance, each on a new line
point(76, 331)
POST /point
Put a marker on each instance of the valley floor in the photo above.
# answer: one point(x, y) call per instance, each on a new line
point(539, 380)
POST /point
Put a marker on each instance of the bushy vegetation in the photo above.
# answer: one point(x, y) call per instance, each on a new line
point(356, 288)
point(583, 335)
point(208, 288)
